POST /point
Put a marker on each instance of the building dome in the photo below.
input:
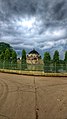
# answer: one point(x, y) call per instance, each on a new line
point(33, 52)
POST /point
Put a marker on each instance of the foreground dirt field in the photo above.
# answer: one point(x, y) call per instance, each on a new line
point(29, 97)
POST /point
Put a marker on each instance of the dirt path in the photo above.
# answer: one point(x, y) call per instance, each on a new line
point(29, 97)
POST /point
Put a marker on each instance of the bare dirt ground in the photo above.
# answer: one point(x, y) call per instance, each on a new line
point(29, 97)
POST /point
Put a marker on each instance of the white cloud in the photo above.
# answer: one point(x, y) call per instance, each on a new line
point(59, 33)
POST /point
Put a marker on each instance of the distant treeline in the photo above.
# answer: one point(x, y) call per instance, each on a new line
point(56, 63)
point(8, 58)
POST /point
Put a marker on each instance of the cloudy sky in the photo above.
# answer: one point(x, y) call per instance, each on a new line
point(39, 24)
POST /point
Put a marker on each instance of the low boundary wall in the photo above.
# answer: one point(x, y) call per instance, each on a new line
point(33, 73)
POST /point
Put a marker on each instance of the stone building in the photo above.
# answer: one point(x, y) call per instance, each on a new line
point(33, 57)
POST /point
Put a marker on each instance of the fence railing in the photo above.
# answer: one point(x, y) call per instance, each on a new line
point(35, 67)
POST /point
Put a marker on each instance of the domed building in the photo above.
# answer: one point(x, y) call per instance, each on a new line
point(33, 57)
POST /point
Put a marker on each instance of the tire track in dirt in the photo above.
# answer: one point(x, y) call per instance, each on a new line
point(5, 87)
point(16, 87)
point(1, 88)
point(20, 87)
point(4, 117)
point(4, 93)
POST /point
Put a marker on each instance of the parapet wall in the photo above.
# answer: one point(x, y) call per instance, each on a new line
point(33, 73)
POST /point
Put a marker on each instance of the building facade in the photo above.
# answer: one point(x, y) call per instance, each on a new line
point(33, 57)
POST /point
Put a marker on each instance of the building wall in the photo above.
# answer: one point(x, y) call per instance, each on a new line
point(33, 58)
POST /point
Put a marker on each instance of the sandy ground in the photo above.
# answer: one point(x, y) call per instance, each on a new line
point(29, 97)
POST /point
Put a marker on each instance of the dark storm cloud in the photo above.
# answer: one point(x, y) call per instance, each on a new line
point(60, 10)
point(17, 7)
point(31, 24)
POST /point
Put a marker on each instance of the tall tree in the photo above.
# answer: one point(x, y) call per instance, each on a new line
point(2, 57)
point(23, 54)
point(7, 55)
point(7, 58)
point(23, 60)
point(2, 60)
point(56, 56)
point(56, 61)
point(65, 61)
point(47, 59)
point(4, 46)
point(14, 59)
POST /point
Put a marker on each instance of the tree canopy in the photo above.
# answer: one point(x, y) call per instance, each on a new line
point(7, 55)
point(56, 56)
point(47, 57)
point(14, 57)
point(2, 57)
point(4, 46)
point(65, 59)
point(23, 54)
point(23, 61)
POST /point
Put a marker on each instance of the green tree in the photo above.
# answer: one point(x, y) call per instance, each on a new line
point(14, 59)
point(4, 46)
point(56, 63)
point(7, 58)
point(7, 55)
point(23, 60)
point(56, 56)
point(65, 61)
point(2, 57)
point(23, 55)
point(2, 60)
point(46, 60)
